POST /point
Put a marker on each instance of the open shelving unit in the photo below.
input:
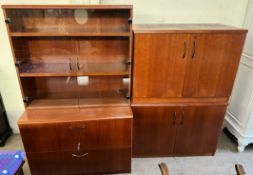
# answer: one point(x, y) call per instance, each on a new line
point(56, 47)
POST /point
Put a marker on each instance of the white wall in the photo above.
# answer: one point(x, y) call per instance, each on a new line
point(230, 12)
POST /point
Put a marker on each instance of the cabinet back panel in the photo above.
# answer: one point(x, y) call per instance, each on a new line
point(68, 20)
point(103, 50)
point(65, 50)
point(45, 50)
point(64, 87)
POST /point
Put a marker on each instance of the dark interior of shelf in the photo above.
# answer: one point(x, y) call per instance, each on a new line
point(68, 21)
point(64, 91)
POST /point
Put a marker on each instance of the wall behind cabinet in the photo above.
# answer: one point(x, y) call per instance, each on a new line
point(145, 11)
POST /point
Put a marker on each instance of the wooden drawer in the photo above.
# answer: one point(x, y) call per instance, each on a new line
point(66, 136)
point(96, 161)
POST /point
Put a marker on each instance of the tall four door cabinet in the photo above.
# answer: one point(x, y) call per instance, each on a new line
point(74, 68)
point(182, 79)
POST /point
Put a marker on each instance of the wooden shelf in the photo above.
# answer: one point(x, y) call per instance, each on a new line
point(106, 69)
point(73, 34)
point(103, 102)
point(45, 70)
point(77, 103)
point(53, 103)
point(63, 69)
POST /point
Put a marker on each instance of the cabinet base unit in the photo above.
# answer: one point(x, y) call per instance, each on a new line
point(177, 130)
point(71, 141)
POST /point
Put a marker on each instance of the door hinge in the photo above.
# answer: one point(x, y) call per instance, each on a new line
point(129, 62)
point(7, 20)
point(26, 99)
point(130, 20)
point(18, 63)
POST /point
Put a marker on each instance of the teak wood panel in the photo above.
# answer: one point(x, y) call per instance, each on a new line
point(104, 134)
point(154, 131)
point(159, 65)
point(71, 49)
point(95, 162)
point(178, 130)
point(199, 130)
point(212, 65)
point(189, 66)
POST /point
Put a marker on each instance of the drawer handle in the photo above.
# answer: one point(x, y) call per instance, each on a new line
point(80, 155)
point(76, 127)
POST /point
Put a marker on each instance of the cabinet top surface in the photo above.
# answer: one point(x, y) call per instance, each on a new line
point(184, 28)
point(74, 115)
point(67, 6)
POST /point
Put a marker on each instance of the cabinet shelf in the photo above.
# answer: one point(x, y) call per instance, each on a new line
point(67, 34)
point(77, 103)
point(63, 69)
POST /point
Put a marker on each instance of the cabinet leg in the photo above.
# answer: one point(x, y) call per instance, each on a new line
point(241, 145)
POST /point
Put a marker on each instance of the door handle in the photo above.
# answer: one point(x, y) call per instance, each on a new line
point(182, 120)
point(185, 49)
point(78, 150)
point(174, 118)
point(77, 64)
point(80, 155)
point(194, 49)
point(70, 67)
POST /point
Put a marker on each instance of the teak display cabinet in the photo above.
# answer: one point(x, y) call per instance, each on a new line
point(53, 45)
point(74, 69)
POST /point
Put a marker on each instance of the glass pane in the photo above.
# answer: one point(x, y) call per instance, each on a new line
point(67, 21)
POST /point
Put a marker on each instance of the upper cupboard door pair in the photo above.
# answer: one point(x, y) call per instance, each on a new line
point(186, 65)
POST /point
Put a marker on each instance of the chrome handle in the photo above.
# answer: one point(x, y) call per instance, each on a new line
point(77, 64)
point(174, 118)
point(70, 67)
point(194, 49)
point(185, 49)
point(78, 150)
point(80, 155)
point(182, 120)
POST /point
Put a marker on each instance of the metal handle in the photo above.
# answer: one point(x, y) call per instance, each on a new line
point(77, 64)
point(194, 49)
point(182, 120)
point(70, 67)
point(185, 48)
point(80, 155)
point(174, 118)
point(78, 150)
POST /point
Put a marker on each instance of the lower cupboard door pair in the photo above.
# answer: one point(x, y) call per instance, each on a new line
point(182, 131)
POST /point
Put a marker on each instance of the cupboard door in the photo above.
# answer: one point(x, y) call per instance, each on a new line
point(159, 65)
point(199, 129)
point(154, 131)
point(212, 64)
